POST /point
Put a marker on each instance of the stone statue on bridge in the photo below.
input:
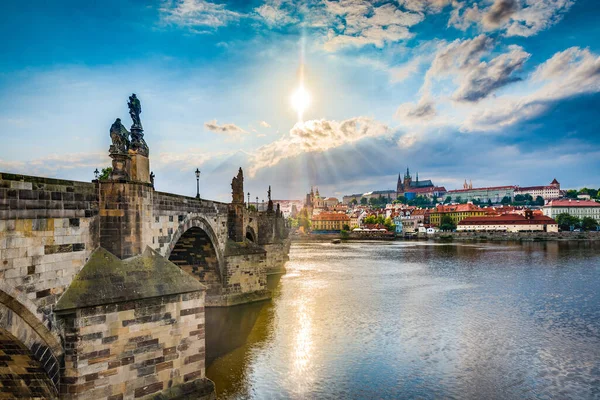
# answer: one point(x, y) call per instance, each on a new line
point(270, 203)
point(237, 188)
point(135, 109)
point(120, 138)
point(138, 144)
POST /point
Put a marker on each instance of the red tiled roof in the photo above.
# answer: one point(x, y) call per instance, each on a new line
point(526, 188)
point(508, 219)
point(426, 190)
point(573, 203)
point(331, 217)
point(457, 208)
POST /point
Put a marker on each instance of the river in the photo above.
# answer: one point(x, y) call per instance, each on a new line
point(389, 320)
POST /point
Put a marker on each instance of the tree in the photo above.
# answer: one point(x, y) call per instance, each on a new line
point(370, 220)
point(251, 207)
point(489, 202)
point(448, 199)
point(389, 224)
point(363, 201)
point(446, 223)
point(572, 194)
point(304, 219)
point(354, 202)
point(539, 201)
point(519, 198)
point(346, 227)
point(105, 174)
point(505, 200)
point(566, 221)
point(589, 224)
point(458, 199)
point(401, 199)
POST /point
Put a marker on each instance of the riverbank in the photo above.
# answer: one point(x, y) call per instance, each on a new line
point(513, 236)
point(461, 236)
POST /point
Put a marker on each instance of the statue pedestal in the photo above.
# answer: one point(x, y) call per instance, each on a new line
point(140, 167)
point(120, 166)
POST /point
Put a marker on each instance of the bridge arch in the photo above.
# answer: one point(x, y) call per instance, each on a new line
point(195, 249)
point(251, 234)
point(20, 319)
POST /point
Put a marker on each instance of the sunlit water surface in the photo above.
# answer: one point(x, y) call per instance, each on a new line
point(417, 320)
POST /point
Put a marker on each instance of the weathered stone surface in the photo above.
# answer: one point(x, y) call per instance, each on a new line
point(21, 375)
point(113, 324)
point(106, 279)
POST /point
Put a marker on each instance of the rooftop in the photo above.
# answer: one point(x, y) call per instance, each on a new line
point(508, 219)
point(572, 203)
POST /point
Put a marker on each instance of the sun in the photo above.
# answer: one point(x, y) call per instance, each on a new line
point(300, 101)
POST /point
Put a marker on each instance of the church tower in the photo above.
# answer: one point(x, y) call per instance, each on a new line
point(407, 179)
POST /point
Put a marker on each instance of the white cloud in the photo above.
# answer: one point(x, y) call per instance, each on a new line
point(513, 17)
point(486, 77)
point(358, 23)
point(264, 124)
point(197, 13)
point(316, 136)
point(424, 110)
point(54, 165)
point(473, 78)
point(233, 132)
point(407, 140)
point(568, 73)
point(274, 14)
point(425, 5)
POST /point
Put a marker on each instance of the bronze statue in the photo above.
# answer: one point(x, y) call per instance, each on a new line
point(120, 138)
point(138, 144)
point(135, 109)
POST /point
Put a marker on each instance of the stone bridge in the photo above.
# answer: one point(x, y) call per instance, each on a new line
point(104, 283)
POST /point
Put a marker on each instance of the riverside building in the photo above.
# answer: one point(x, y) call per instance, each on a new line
point(577, 208)
point(509, 223)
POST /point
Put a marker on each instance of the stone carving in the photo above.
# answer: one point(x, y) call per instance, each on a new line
point(120, 138)
point(270, 204)
point(135, 109)
point(237, 187)
point(138, 144)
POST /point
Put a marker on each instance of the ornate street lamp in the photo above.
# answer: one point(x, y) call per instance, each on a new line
point(248, 200)
point(96, 173)
point(197, 183)
point(256, 203)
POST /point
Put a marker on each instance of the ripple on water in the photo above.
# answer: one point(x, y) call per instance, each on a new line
point(415, 320)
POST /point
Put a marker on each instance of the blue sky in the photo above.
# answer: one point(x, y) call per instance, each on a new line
point(496, 91)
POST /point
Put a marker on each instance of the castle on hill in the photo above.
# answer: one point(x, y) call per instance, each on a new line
point(407, 185)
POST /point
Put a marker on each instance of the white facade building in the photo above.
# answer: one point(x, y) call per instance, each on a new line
point(576, 208)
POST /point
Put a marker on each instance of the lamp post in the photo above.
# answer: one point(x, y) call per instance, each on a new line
point(248, 200)
point(96, 173)
point(197, 183)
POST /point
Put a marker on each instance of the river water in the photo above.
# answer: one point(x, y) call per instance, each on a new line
point(390, 320)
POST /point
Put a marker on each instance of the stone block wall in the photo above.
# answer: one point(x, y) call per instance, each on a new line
point(22, 376)
point(171, 213)
point(277, 255)
point(134, 349)
point(125, 212)
point(48, 227)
